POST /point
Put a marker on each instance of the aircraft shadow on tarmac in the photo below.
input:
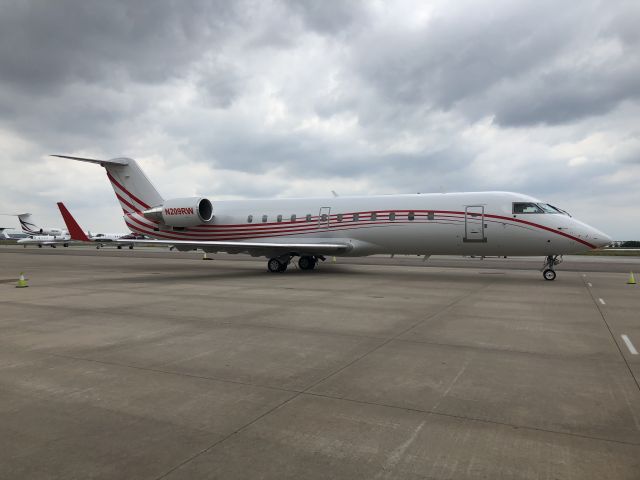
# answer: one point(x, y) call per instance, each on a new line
point(188, 273)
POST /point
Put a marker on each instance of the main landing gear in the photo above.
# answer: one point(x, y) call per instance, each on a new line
point(280, 264)
point(548, 269)
point(307, 263)
point(276, 265)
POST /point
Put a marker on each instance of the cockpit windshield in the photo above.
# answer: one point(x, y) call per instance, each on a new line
point(547, 208)
point(530, 207)
point(554, 209)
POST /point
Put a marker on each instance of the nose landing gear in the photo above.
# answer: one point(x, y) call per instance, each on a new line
point(548, 269)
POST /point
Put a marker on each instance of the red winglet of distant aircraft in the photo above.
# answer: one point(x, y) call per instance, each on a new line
point(74, 229)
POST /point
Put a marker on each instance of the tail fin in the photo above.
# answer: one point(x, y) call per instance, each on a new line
point(74, 229)
point(27, 225)
point(134, 190)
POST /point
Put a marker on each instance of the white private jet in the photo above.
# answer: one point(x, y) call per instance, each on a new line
point(77, 234)
point(470, 223)
point(35, 235)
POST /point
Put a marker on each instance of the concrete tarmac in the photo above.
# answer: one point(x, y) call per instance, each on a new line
point(140, 364)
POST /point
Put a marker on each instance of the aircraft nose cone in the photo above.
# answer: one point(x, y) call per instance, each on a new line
point(601, 239)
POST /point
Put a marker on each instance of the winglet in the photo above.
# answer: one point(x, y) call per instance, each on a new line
point(74, 229)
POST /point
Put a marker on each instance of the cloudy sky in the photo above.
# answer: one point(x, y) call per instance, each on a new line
point(259, 99)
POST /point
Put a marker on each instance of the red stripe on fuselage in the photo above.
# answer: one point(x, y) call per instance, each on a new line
point(122, 200)
point(131, 195)
point(272, 229)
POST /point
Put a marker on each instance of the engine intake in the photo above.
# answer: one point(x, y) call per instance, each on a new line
point(182, 212)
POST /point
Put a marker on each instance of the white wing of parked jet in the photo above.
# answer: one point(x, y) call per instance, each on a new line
point(254, 248)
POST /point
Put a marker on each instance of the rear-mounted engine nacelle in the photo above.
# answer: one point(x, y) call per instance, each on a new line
point(182, 212)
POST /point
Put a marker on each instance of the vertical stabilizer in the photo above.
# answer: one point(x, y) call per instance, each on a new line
point(27, 224)
point(74, 229)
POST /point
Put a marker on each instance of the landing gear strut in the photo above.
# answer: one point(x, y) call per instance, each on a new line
point(548, 269)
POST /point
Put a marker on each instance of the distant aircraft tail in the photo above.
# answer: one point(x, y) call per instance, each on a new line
point(27, 224)
point(74, 229)
point(133, 189)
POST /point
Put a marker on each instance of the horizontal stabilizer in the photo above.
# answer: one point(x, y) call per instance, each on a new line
point(113, 161)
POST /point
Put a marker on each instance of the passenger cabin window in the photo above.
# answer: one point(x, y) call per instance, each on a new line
point(308, 218)
point(392, 216)
point(323, 217)
point(411, 216)
point(356, 217)
point(264, 219)
point(279, 218)
point(374, 216)
point(339, 217)
point(293, 217)
point(522, 207)
point(250, 219)
point(430, 216)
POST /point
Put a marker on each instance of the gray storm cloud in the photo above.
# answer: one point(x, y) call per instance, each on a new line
point(250, 99)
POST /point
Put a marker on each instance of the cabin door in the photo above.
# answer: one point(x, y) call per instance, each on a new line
point(474, 226)
point(324, 216)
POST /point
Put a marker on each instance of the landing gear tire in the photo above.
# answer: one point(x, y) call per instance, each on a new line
point(307, 263)
point(275, 266)
point(548, 269)
point(119, 247)
point(130, 247)
point(66, 245)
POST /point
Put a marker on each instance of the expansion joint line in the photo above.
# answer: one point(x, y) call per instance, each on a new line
point(613, 337)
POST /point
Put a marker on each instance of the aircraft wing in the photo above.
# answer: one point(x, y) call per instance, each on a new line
point(255, 248)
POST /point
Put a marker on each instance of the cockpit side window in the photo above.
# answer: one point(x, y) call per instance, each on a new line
point(522, 207)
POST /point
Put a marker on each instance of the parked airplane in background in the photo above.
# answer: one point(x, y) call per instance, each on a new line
point(30, 228)
point(9, 233)
point(45, 240)
point(470, 223)
point(36, 235)
point(101, 239)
